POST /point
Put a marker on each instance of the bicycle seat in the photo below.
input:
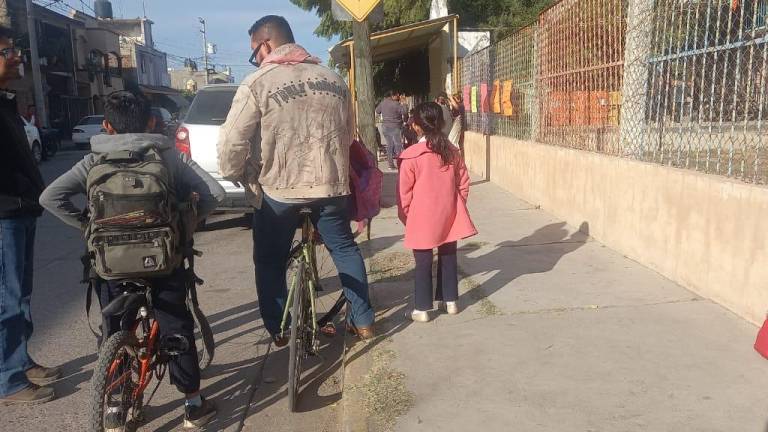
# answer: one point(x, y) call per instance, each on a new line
point(305, 211)
point(126, 302)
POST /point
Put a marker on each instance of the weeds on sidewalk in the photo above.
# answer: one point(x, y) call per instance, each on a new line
point(469, 286)
point(385, 397)
point(390, 267)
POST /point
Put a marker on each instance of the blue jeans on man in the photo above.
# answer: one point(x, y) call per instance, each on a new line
point(394, 138)
point(17, 240)
point(274, 228)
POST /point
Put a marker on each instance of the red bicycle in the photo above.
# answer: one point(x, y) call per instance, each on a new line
point(129, 360)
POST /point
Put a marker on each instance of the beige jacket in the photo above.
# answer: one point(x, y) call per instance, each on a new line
point(289, 132)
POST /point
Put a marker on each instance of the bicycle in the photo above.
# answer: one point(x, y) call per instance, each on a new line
point(301, 305)
point(129, 359)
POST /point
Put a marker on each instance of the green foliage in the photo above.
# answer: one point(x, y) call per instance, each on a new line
point(396, 13)
point(503, 16)
point(411, 74)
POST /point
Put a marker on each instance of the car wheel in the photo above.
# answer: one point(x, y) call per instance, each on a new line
point(37, 151)
point(53, 148)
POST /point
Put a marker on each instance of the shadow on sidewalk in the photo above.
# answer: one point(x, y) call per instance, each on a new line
point(239, 389)
point(513, 259)
point(77, 374)
point(508, 261)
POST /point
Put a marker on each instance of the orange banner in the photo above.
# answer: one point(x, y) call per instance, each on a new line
point(506, 99)
point(496, 97)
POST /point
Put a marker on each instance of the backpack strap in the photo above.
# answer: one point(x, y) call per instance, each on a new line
point(90, 279)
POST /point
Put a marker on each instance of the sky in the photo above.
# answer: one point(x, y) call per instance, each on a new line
point(176, 28)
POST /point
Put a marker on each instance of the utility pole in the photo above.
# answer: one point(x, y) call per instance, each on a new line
point(205, 48)
point(364, 84)
point(37, 77)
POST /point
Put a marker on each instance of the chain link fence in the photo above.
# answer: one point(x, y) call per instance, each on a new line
point(689, 90)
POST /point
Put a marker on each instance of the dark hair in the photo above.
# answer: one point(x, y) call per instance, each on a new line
point(429, 117)
point(127, 111)
point(6, 33)
point(278, 27)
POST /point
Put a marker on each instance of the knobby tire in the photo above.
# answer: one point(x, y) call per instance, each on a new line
point(101, 379)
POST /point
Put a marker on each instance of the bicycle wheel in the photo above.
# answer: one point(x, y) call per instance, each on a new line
point(297, 342)
point(203, 338)
point(113, 383)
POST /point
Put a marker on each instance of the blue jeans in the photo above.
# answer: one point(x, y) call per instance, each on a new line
point(274, 228)
point(394, 139)
point(17, 240)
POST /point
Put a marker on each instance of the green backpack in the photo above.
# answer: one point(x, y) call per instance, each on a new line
point(135, 228)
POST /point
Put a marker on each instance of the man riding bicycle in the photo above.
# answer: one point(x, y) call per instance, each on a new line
point(127, 119)
point(287, 138)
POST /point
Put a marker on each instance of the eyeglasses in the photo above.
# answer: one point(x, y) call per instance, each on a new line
point(255, 53)
point(10, 52)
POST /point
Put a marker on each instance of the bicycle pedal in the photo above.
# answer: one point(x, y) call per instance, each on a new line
point(328, 330)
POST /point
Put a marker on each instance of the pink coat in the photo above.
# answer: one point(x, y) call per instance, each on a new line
point(432, 199)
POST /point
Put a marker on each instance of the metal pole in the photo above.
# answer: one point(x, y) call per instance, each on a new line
point(205, 49)
point(635, 83)
point(37, 77)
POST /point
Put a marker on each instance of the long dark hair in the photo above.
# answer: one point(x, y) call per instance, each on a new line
point(429, 117)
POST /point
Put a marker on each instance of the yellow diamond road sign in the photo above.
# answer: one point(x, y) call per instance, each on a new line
point(359, 9)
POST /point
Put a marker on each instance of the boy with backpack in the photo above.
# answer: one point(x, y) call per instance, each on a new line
point(140, 191)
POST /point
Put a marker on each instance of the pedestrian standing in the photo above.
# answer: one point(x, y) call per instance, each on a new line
point(432, 203)
point(22, 381)
point(393, 116)
point(459, 121)
point(445, 106)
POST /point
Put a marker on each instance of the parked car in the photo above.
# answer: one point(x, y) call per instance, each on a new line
point(33, 137)
point(198, 135)
point(86, 129)
point(166, 124)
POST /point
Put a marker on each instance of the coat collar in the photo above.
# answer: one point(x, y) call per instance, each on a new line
point(416, 150)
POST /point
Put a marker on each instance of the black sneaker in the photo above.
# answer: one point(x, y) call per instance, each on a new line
point(195, 417)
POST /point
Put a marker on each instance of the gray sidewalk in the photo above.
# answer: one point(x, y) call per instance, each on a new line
point(558, 333)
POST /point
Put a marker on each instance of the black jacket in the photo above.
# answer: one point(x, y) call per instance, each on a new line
point(20, 180)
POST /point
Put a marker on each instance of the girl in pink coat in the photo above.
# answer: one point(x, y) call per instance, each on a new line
point(432, 191)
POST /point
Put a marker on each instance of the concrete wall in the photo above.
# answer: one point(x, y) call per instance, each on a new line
point(706, 232)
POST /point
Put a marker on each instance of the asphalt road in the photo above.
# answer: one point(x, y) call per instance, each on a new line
point(246, 379)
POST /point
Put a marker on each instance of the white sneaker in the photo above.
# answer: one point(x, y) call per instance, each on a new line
point(452, 308)
point(420, 316)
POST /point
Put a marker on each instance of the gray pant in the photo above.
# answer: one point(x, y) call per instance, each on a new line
point(394, 141)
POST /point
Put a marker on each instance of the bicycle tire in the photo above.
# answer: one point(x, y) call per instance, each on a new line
point(298, 335)
point(101, 379)
point(207, 350)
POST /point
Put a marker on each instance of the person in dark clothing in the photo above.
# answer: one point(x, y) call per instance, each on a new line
point(22, 381)
point(127, 118)
point(393, 114)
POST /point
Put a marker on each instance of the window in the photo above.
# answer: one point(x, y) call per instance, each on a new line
point(115, 64)
point(95, 120)
point(211, 107)
point(762, 14)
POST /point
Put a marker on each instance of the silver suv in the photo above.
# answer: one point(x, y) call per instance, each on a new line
point(198, 135)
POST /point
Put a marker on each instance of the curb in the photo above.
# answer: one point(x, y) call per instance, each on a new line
point(356, 365)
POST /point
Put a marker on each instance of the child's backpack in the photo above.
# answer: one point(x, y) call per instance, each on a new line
point(366, 184)
point(134, 228)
